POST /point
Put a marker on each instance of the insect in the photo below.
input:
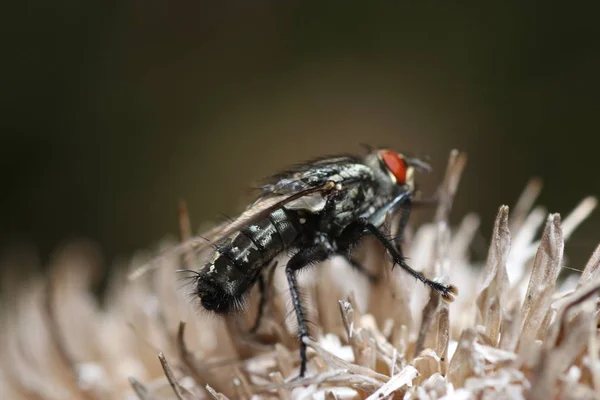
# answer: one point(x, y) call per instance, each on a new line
point(314, 211)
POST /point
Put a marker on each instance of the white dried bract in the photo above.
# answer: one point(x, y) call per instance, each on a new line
point(515, 330)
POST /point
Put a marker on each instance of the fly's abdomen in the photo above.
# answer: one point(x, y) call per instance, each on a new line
point(238, 260)
point(254, 246)
point(272, 235)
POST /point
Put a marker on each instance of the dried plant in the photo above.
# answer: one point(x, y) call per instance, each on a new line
point(514, 331)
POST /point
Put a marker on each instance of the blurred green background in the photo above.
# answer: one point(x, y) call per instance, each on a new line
point(112, 111)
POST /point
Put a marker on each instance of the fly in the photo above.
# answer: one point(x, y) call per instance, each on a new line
point(316, 210)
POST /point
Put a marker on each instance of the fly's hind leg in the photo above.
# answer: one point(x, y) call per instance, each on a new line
point(300, 260)
point(264, 290)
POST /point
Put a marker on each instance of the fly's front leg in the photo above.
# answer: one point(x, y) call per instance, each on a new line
point(300, 260)
point(361, 269)
point(327, 214)
point(346, 242)
point(448, 292)
point(428, 202)
point(405, 209)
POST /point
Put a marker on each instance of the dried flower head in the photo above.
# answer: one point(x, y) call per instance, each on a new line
point(513, 332)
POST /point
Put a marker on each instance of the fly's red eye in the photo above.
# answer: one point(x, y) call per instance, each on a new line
point(395, 164)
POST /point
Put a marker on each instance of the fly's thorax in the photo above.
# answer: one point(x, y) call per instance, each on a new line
point(353, 203)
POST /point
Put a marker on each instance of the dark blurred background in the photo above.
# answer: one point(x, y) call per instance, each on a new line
point(113, 111)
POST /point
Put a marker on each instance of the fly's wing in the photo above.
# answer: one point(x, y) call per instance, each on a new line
point(260, 209)
point(303, 180)
point(310, 174)
point(265, 207)
point(197, 244)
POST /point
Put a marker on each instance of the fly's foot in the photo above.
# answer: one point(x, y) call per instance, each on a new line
point(449, 293)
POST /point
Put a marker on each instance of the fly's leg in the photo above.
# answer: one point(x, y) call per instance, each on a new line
point(405, 210)
point(346, 242)
point(263, 288)
point(448, 292)
point(300, 260)
point(360, 268)
point(261, 304)
point(326, 215)
point(433, 201)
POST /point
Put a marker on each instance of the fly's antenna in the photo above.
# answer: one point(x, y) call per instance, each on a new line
point(367, 147)
point(420, 164)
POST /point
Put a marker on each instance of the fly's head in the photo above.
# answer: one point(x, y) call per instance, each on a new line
point(395, 170)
